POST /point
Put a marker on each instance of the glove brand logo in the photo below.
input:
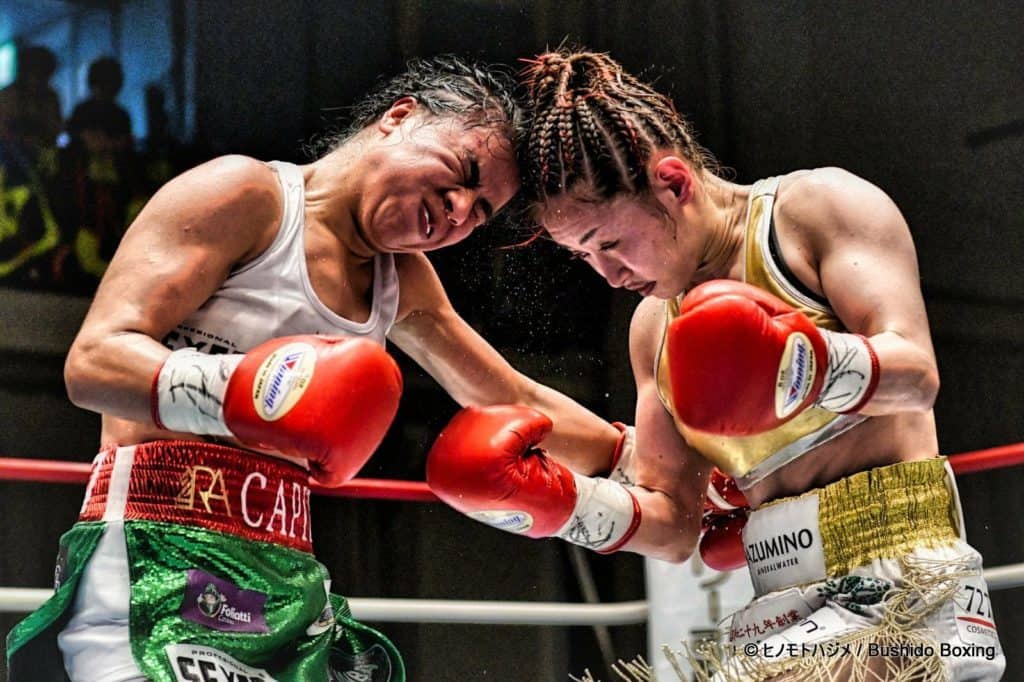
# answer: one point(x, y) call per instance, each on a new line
point(282, 379)
point(796, 375)
point(215, 489)
point(221, 605)
point(512, 521)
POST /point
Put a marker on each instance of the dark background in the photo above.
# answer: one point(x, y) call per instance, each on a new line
point(923, 98)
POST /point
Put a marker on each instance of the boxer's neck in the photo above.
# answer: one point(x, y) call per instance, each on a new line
point(722, 211)
point(332, 198)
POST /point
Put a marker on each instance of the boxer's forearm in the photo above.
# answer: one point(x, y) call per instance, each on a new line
point(667, 531)
point(908, 379)
point(581, 440)
point(113, 375)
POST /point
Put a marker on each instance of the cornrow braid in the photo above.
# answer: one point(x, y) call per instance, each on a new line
point(591, 122)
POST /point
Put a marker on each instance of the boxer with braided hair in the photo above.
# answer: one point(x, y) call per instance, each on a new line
point(782, 337)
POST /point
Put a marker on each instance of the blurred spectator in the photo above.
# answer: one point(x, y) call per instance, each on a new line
point(101, 171)
point(99, 122)
point(158, 159)
point(29, 107)
point(30, 121)
point(159, 150)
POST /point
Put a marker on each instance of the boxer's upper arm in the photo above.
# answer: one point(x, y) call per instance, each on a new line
point(433, 334)
point(183, 244)
point(474, 373)
point(176, 253)
point(665, 462)
point(863, 252)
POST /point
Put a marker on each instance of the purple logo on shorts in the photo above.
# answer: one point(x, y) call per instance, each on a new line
point(221, 605)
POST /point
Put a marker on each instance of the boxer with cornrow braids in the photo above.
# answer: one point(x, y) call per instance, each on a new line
point(782, 338)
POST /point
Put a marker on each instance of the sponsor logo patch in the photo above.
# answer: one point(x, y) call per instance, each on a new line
point(282, 379)
point(768, 616)
point(60, 570)
point(324, 622)
point(221, 605)
point(783, 545)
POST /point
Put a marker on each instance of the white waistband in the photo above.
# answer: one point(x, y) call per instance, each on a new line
point(783, 545)
point(783, 541)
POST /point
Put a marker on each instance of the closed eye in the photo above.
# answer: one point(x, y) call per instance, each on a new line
point(473, 172)
point(578, 255)
point(471, 180)
point(605, 246)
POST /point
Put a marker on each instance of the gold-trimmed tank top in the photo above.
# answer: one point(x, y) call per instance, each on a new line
point(750, 459)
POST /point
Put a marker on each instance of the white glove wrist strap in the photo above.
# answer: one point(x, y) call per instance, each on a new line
point(189, 392)
point(605, 517)
point(851, 373)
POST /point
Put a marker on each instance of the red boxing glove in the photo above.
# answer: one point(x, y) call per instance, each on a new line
point(723, 495)
point(725, 514)
point(328, 400)
point(486, 465)
point(721, 543)
point(623, 469)
point(741, 361)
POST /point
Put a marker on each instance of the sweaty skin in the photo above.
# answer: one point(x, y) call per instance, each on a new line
point(841, 236)
point(418, 183)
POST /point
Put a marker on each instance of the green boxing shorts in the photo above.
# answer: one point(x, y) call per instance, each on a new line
point(193, 562)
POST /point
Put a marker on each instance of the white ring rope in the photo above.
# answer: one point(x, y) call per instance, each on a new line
point(1005, 577)
point(23, 600)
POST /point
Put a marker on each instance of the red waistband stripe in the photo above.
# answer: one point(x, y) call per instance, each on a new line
point(200, 484)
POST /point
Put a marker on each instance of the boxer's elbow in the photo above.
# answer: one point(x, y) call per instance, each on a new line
point(673, 543)
point(928, 388)
point(909, 379)
point(675, 551)
point(81, 374)
point(920, 387)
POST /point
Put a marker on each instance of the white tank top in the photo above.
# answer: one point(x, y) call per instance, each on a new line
point(272, 296)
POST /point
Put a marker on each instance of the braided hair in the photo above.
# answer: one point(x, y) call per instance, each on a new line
point(592, 123)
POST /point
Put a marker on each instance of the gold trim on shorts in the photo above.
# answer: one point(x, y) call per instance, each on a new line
point(885, 513)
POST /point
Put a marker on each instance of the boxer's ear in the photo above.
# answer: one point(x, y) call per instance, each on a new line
point(673, 177)
point(396, 113)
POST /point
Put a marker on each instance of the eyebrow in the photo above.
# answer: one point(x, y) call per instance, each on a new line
point(588, 235)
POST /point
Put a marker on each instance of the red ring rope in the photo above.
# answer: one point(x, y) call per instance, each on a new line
point(49, 471)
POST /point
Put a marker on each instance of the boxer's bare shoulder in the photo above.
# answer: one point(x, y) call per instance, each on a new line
point(645, 332)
